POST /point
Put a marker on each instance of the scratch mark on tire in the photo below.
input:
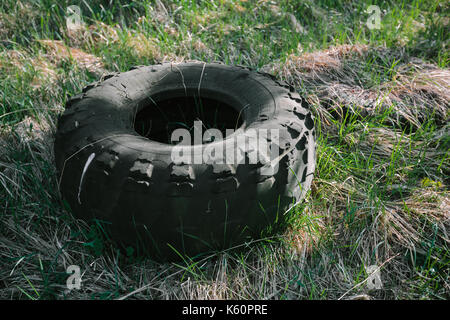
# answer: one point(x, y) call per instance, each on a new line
point(86, 166)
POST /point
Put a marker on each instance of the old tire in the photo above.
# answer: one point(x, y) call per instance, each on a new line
point(110, 172)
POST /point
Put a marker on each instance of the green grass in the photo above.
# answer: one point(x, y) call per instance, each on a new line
point(380, 192)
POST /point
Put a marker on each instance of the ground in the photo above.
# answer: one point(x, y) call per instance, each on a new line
point(379, 203)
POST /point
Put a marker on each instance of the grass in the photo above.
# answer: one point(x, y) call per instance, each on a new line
point(380, 193)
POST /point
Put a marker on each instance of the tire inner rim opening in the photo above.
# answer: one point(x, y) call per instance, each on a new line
point(158, 119)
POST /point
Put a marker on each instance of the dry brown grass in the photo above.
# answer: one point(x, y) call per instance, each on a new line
point(331, 78)
point(45, 71)
point(57, 51)
point(144, 47)
point(314, 63)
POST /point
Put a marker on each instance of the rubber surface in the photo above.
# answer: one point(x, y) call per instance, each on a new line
point(109, 172)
